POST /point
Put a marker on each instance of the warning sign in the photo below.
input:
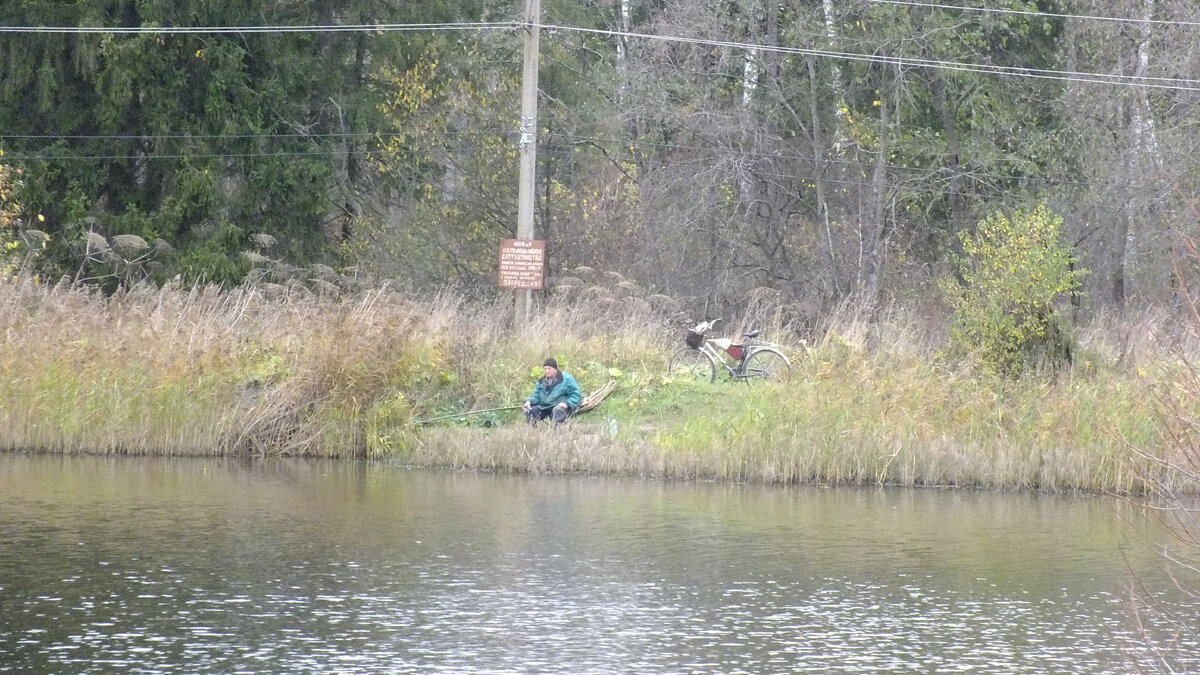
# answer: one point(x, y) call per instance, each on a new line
point(522, 262)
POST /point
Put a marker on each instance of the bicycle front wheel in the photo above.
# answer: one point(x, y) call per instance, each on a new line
point(767, 363)
point(692, 364)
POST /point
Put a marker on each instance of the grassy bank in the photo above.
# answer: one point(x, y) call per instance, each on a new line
point(198, 371)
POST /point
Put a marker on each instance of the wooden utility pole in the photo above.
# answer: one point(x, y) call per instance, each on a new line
point(528, 147)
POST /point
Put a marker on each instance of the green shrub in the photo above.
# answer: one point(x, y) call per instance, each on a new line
point(1014, 275)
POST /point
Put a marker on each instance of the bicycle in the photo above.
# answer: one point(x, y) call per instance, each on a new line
point(745, 362)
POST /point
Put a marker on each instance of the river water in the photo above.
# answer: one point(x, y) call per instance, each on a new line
point(126, 565)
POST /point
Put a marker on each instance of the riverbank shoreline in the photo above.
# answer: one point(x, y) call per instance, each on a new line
point(206, 372)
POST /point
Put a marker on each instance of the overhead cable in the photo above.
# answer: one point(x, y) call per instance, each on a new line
point(1174, 83)
point(210, 30)
point(916, 185)
point(573, 139)
point(1036, 14)
point(918, 173)
point(1154, 82)
point(221, 137)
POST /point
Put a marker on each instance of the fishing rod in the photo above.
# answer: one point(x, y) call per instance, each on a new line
point(467, 414)
point(590, 401)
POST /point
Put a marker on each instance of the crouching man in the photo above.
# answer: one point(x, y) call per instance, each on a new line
point(556, 396)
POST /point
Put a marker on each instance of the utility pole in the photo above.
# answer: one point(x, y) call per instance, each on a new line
point(528, 147)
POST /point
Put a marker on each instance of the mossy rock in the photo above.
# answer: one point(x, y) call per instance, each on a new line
point(612, 279)
point(635, 306)
point(567, 291)
point(627, 289)
point(597, 293)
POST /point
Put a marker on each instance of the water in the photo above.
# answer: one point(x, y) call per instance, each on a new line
point(124, 565)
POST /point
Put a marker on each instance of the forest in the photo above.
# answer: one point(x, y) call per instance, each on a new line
point(822, 151)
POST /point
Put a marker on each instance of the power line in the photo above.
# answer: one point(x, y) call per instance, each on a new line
point(574, 139)
point(911, 190)
point(198, 155)
point(1169, 83)
point(916, 189)
point(1154, 82)
point(916, 173)
point(923, 171)
point(208, 30)
point(1112, 79)
point(263, 135)
point(1046, 15)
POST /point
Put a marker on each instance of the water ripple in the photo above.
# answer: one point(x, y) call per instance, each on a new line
point(307, 570)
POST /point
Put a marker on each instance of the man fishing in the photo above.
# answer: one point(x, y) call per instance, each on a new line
point(556, 396)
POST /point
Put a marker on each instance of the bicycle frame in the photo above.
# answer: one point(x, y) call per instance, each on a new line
point(718, 349)
point(755, 360)
point(715, 348)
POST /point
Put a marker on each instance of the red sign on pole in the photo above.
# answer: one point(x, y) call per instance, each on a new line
point(522, 262)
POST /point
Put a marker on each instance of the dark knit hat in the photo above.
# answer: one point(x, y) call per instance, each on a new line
point(551, 362)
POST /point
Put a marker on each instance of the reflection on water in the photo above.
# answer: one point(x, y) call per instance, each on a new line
point(185, 566)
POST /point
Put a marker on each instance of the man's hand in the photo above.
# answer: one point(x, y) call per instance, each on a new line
point(528, 406)
point(562, 405)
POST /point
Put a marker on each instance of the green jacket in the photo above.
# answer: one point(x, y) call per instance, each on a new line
point(562, 390)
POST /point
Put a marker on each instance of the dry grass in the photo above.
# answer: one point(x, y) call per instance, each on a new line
point(200, 371)
point(196, 371)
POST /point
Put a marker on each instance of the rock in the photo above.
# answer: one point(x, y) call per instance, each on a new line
point(34, 238)
point(96, 243)
point(597, 293)
point(324, 272)
point(626, 289)
point(263, 241)
point(635, 306)
point(611, 279)
point(272, 291)
point(664, 304)
point(129, 245)
point(567, 291)
point(324, 288)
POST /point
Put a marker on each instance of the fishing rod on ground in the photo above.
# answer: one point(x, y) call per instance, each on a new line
point(467, 414)
point(589, 402)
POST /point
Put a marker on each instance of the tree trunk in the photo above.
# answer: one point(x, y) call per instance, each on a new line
point(875, 243)
point(625, 21)
point(839, 92)
point(949, 116)
point(819, 164)
point(772, 57)
point(750, 69)
point(1143, 159)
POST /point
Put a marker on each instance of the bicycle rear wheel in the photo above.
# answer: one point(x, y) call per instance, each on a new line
point(767, 363)
point(692, 364)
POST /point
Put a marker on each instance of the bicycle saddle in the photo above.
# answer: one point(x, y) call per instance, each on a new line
point(751, 334)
